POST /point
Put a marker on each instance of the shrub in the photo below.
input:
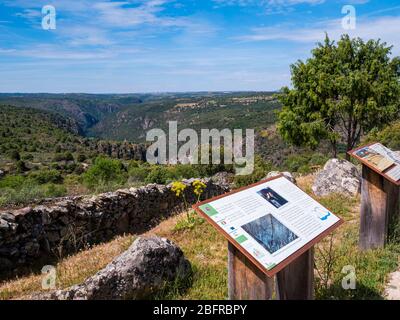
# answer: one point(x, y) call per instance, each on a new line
point(67, 156)
point(21, 167)
point(14, 155)
point(13, 182)
point(184, 171)
point(158, 174)
point(28, 157)
point(261, 169)
point(81, 158)
point(388, 136)
point(137, 174)
point(46, 176)
point(104, 171)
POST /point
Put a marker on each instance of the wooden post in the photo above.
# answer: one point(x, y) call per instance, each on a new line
point(379, 204)
point(245, 280)
point(296, 281)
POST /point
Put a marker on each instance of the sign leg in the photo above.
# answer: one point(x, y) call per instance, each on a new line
point(245, 280)
point(379, 204)
point(296, 281)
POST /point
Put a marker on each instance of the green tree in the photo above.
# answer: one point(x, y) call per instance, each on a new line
point(343, 91)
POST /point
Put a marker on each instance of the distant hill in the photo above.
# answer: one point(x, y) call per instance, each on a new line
point(129, 116)
point(40, 136)
point(233, 112)
point(86, 110)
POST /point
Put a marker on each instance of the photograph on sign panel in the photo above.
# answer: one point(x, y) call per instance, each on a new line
point(272, 197)
point(375, 159)
point(270, 233)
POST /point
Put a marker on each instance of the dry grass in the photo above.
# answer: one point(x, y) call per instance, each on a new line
point(70, 271)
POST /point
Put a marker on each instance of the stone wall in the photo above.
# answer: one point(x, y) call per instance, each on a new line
point(66, 226)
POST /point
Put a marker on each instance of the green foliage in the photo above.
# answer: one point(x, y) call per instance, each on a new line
point(261, 169)
point(46, 176)
point(188, 222)
point(304, 163)
point(104, 171)
point(137, 174)
point(18, 189)
point(66, 156)
point(158, 174)
point(11, 181)
point(21, 166)
point(81, 157)
point(389, 136)
point(14, 155)
point(343, 90)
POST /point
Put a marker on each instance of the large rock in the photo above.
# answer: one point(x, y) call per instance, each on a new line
point(140, 271)
point(337, 176)
point(223, 178)
point(286, 174)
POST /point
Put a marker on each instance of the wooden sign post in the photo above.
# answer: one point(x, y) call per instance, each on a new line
point(379, 194)
point(271, 228)
point(245, 280)
point(296, 281)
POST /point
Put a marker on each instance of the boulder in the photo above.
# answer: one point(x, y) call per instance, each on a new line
point(223, 178)
point(140, 271)
point(286, 174)
point(337, 176)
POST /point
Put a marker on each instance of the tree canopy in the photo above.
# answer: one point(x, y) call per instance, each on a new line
point(343, 91)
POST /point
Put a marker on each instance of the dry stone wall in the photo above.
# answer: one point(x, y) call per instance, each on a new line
point(69, 225)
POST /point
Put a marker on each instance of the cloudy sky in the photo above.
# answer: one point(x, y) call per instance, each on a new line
point(173, 45)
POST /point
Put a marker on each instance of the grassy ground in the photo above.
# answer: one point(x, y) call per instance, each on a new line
point(206, 249)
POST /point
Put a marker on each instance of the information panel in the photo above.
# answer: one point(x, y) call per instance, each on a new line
point(271, 222)
point(380, 159)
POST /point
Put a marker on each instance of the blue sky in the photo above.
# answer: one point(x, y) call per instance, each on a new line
point(129, 46)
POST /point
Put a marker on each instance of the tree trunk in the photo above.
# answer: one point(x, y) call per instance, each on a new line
point(334, 148)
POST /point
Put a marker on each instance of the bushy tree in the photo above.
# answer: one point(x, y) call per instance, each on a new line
point(104, 171)
point(343, 91)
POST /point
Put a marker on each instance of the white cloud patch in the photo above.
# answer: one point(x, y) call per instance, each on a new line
point(266, 3)
point(384, 28)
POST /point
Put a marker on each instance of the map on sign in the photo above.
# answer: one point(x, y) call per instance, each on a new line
point(270, 222)
point(380, 158)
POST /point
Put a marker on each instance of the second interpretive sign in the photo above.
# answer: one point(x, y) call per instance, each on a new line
point(271, 222)
point(380, 159)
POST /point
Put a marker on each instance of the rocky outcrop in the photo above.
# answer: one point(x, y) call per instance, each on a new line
point(223, 179)
point(337, 176)
point(72, 223)
point(286, 174)
point(139, 272)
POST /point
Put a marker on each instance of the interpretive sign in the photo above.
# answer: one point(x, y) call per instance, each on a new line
point(271, 222)
point(380, 159)
point(379, 193)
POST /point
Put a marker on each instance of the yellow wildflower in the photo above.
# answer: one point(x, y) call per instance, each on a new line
point(178, 188)
point(198, 187)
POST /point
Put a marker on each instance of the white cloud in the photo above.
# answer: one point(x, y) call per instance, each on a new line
point(385, 28)
point(266, 3)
